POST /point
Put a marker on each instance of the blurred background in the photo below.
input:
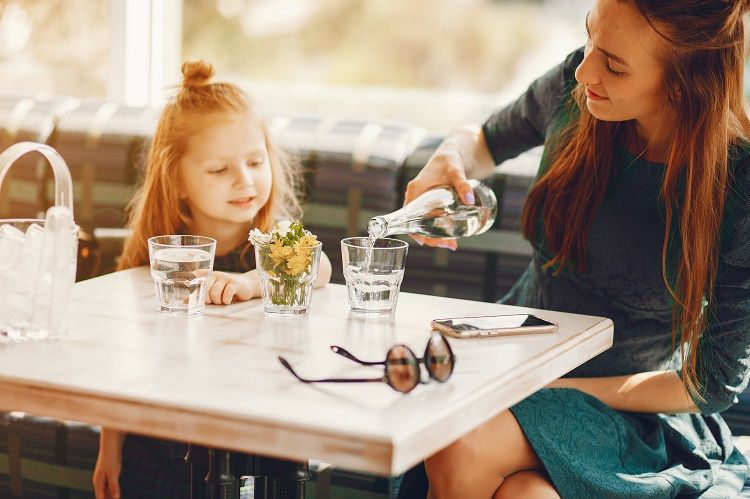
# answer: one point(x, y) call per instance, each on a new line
point(434, 63)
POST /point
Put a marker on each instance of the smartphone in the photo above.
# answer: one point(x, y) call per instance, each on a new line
point(493, 325)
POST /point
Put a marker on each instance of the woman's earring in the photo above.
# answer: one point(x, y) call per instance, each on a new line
point(675, 96)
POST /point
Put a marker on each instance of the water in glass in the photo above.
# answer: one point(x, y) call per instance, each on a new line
point(373, 270)
point(180, 275)
point(372, 289)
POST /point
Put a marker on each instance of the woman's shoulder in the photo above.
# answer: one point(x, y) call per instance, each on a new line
point(739, 168)
point(739, 154)
point(736, 224)
point(554, 88)
point(569, 65)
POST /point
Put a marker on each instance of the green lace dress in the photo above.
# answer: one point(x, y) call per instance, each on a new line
point(587, 448)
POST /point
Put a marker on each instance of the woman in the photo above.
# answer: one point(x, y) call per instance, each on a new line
point(640, 213)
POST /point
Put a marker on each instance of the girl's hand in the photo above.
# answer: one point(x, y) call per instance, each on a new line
point(463, 150)
point(106, 478)
point(223, 287)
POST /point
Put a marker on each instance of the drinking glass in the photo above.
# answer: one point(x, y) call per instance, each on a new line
point(287, 278)
point(373, 270)
point(180, 267)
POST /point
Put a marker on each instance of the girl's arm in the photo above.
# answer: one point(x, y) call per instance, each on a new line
point(650, 392)
point(224, 288)
point(106, 477)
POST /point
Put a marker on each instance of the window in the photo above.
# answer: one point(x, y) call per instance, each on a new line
point(436, 63)
point(54, 46)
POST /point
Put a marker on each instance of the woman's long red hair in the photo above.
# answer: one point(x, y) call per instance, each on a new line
point(705, 58)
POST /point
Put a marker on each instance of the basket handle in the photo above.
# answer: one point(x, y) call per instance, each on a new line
point(63, 181)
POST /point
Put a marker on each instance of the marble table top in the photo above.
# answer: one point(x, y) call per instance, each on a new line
point(215, 379)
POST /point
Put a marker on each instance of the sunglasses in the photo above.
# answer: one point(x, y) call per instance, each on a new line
point(402, 367)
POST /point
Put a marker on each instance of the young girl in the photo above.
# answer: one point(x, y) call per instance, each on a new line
point(212, 170)
point(640, 213)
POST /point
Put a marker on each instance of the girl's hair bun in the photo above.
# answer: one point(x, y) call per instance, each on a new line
point(196, 73)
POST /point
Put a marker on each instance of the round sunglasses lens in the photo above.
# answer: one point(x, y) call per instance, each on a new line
point(439, 358)
point(401, 369)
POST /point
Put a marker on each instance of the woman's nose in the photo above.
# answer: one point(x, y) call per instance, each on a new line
point(586, 72)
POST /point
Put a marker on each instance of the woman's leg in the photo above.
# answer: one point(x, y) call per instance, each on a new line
point(476, 464)
point(526, 484)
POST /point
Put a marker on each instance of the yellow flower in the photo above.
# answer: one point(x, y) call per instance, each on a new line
point(299, 263)
point(279, 253)
point(301, 249)
point(309, 240)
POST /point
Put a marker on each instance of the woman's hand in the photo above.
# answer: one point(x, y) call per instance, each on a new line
point(463, 151)
point(108, 465)
point(223, 288)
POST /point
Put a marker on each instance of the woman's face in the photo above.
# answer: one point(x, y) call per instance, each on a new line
point(621, 70)
point(226, 173)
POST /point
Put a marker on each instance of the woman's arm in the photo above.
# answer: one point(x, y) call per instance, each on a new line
point(650, 392)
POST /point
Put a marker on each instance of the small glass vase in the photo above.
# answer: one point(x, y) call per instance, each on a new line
point(286, 280)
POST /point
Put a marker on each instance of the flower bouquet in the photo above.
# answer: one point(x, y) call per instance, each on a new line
point(287, 261)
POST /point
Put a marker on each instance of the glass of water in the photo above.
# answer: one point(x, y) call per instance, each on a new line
point(180, 267)
point(373, 270)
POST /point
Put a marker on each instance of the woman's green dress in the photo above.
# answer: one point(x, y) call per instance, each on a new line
point(588, 449)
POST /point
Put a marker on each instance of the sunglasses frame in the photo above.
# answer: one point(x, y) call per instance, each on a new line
point(385, 378)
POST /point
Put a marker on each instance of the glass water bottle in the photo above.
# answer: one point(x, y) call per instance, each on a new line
point(440, 213)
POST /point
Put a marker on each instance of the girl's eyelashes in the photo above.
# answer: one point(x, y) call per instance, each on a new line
point(255, 162)
point(251, 163)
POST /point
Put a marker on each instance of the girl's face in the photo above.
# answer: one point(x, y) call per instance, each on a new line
point(226, 173)
point(623, 75)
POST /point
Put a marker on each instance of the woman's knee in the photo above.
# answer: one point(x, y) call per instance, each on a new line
point(449, 469)
point(480, 459)
point(531, 483)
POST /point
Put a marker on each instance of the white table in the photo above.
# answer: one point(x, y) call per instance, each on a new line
point(215, 379)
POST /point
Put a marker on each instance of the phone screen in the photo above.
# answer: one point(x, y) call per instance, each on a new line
point(494, 322)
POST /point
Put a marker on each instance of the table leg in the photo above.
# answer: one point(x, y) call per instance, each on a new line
point(284, 479)
point(212, 475)
point(220, 483)
point(197, 460)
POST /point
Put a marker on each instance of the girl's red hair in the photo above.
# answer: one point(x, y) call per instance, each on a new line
point(156, 208)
